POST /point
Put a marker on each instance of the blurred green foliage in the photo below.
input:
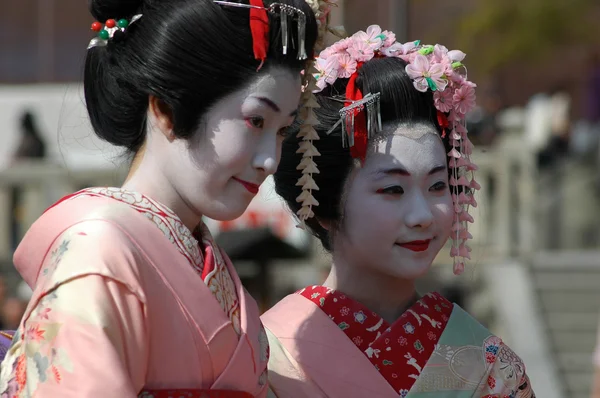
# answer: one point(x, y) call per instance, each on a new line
point(497, 32)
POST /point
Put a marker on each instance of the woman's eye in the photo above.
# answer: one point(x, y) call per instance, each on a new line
point(440, 186)
point(393, 190)
point(256, 122)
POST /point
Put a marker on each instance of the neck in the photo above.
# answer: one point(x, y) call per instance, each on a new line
point(387, 296)
point(147, 178)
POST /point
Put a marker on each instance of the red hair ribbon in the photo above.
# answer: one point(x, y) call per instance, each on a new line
point(259, 26)
point(443, 122)
point(353, 93)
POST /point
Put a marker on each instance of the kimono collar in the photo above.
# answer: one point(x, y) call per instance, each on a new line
point(164, 218)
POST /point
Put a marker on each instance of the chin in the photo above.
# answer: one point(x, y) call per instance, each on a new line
point(227, 211)
point(412, 268)
point(420, 271)
point(412, 271)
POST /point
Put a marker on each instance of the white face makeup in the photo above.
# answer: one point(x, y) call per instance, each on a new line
point(218, 172)
point(398, 209)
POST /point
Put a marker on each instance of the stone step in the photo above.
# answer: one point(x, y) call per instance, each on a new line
point(575, 362)
point(567, 260)
point(568, 288)
point(569, 301)
point(565, 281)
point(579, 382)
point(572, 321)
point(573, 342)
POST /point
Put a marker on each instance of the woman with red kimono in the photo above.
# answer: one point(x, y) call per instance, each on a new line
point(384, 181)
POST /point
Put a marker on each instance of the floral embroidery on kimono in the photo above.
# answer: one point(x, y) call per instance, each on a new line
point(507, 377)
point(55, 257)
point(40, 360)
point(40, 353)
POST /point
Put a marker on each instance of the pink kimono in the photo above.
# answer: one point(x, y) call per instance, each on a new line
point(128, 303)
point(325, 344)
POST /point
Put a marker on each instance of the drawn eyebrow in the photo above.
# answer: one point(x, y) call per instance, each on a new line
point(380, 173)
point(274, 106)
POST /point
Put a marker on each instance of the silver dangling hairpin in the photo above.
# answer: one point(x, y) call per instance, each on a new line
point(302, 36)
point(284, 29)
point(284, 11)
point(348, 113)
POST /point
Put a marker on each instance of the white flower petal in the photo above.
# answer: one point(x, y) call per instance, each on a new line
point(456, 55)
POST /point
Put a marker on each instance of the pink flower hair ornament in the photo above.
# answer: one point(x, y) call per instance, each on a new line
point(431, 67)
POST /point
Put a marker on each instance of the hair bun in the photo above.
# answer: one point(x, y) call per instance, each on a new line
point(102, 10)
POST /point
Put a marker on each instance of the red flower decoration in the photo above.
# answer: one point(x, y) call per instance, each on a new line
point(443, 122)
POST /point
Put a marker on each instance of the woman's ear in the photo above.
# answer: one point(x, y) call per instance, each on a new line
point(163, 117)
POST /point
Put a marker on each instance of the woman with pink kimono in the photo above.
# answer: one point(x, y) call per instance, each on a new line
point(131, 295)
point(383, 183)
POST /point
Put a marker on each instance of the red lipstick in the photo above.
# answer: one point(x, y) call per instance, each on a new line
point(252, 188)
point(416, 245)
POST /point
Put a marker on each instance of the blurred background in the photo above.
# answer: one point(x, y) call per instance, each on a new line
point(535, 274)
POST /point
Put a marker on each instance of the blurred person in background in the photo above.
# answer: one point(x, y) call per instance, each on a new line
point(131, 295)
point(558, 135)
point(593, 91)
point(12, 312)
point(31, 147)
point(585, 140)
point(482, 121)
point(593, 107)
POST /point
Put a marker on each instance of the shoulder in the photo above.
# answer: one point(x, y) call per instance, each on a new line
point(92, 247)
point(288, 313)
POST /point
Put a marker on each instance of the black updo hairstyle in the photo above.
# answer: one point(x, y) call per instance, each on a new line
point(187, 53)
point(400, 103)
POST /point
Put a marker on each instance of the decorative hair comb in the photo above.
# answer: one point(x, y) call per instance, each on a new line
point(109, 29)
point(284, 11)
point(430, 67)
point(348, 117)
